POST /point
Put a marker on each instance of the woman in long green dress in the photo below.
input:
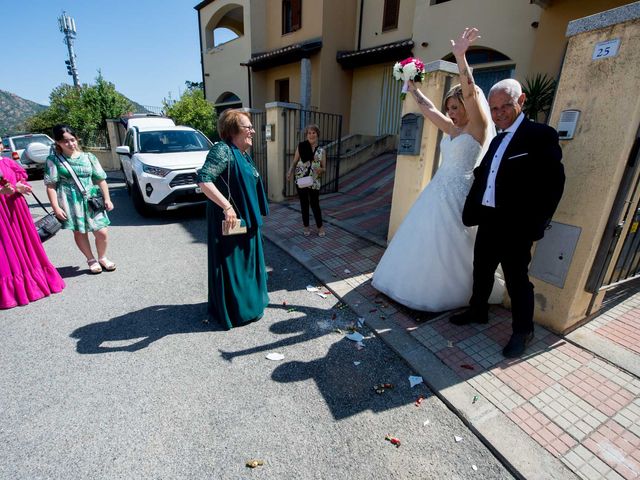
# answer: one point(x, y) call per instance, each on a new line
point(237, 272)
point(70, 204)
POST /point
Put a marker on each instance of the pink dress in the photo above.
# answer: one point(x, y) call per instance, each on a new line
point(26, 274)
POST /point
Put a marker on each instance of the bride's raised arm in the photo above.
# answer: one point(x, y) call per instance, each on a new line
point(430, 111)
point(477, 119)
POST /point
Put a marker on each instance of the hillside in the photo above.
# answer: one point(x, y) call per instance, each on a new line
point(14, 110)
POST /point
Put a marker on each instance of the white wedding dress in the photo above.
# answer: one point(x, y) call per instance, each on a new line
point(429, 263)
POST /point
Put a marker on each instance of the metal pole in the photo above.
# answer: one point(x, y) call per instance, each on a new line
point(68, 27)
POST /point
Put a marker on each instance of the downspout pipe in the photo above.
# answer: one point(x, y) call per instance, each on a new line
point(204, 87)
point(360, 24)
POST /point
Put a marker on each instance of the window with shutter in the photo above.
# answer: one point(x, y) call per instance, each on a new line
point(390, 14)
point(291, 15)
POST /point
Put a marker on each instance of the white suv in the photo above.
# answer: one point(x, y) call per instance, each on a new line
point(159, 161)
point(30, 149)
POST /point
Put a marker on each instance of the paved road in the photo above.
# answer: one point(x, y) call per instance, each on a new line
point(118, 377)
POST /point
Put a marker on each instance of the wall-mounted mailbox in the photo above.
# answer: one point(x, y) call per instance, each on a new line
point(567, 124)
point(411, 134)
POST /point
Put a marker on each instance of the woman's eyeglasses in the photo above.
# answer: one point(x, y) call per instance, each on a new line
point(249, 127)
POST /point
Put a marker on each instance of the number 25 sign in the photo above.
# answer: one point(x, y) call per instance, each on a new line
point(606, 49)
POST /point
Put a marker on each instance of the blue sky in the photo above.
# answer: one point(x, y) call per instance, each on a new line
point(147, 48)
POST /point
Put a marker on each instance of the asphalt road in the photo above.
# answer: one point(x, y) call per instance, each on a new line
point(118, 377)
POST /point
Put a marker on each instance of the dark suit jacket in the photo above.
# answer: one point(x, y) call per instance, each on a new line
point(529, 183)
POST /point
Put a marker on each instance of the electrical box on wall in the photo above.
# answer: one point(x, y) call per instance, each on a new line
point(552, 258)
point(410, 134)
point(269, 133)
point(567, 124)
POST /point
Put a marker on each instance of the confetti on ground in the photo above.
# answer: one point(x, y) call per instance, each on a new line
point(383, 317)
point(337, 330)
point(425, 423)
point(419, 401)
point(355, 336)
point(467, 366)
point(254, 463)
point(289, 310)
point(457, 439)
point(450, 344)
point(346, 270)
point(475, 399)
point(322, 295)
point(360, 322)
point(311, 288)
point(379, 389)
point(393, 440)
point(474, 468)
point(334, 316)
point(275, 356)
point(284, 303)
point(414, 380)
point(359, 345)
point(356, 363)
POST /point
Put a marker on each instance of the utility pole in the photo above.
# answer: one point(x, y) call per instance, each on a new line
point(68, 27)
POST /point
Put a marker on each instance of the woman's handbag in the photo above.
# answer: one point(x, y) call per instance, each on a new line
point(240, 227)
point(96, 203)
point(307, 180)
point(48, 225)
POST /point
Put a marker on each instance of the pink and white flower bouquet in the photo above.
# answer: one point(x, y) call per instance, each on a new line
point(408, 69)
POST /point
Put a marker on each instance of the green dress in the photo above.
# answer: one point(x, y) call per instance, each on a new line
point(237, 273)
point(88, 170)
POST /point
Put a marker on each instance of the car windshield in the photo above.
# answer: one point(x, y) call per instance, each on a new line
point(170, 141)
point(21, 143)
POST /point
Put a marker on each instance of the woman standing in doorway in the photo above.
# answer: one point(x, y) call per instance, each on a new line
point(309, 163)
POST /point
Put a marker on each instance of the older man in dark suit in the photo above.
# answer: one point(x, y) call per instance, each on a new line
point(515, 192)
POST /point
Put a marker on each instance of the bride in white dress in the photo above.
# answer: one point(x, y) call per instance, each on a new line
point(429, 263)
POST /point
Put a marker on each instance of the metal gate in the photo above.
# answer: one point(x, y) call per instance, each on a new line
point(330, 125)
point(390, 112)
point(618, 258)
point(259, 150)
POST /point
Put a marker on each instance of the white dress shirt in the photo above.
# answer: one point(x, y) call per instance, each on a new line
point(489, 197)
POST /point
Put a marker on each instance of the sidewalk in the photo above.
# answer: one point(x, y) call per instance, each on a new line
point(569, 409)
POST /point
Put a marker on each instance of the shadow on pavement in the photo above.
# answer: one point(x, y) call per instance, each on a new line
point(137, 330)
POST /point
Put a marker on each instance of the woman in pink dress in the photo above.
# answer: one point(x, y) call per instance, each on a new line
point(26, 274)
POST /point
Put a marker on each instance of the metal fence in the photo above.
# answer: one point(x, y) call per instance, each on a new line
point(330, 125)
point(259, 150)
point(609, 270)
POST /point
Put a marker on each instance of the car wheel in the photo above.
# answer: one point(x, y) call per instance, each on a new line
point(138, 202)
point(37, 152)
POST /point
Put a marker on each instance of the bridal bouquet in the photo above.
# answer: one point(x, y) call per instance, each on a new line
point(408, 69)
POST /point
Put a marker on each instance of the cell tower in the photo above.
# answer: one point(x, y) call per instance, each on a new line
point(68, 27)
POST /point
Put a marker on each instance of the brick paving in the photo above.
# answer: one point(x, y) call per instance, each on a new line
point(582, 409)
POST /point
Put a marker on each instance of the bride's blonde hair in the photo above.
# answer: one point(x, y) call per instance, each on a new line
point(455, 92)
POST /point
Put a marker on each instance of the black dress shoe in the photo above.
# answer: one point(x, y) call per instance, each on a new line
point(467, 317)
point(517, 344)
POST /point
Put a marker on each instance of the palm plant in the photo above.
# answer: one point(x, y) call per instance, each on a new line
point(539, 91)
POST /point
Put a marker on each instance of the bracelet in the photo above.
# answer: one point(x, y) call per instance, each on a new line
point(227, 209)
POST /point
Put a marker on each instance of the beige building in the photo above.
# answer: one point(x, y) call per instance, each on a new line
point(336, 55)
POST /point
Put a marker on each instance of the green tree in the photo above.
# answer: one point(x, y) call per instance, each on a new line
point(85, 109)
point(193, 110)
point(539, 92)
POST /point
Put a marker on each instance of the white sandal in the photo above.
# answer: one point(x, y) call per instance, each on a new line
point(107, 264)
point(94, 266)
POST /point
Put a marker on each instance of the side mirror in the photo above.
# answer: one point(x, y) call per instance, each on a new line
point(123, 150)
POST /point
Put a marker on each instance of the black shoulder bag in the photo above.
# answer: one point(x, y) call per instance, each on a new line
point(48, 225)
point(96, 203)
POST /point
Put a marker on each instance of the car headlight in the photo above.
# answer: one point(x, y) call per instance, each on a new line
point(157, 171)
